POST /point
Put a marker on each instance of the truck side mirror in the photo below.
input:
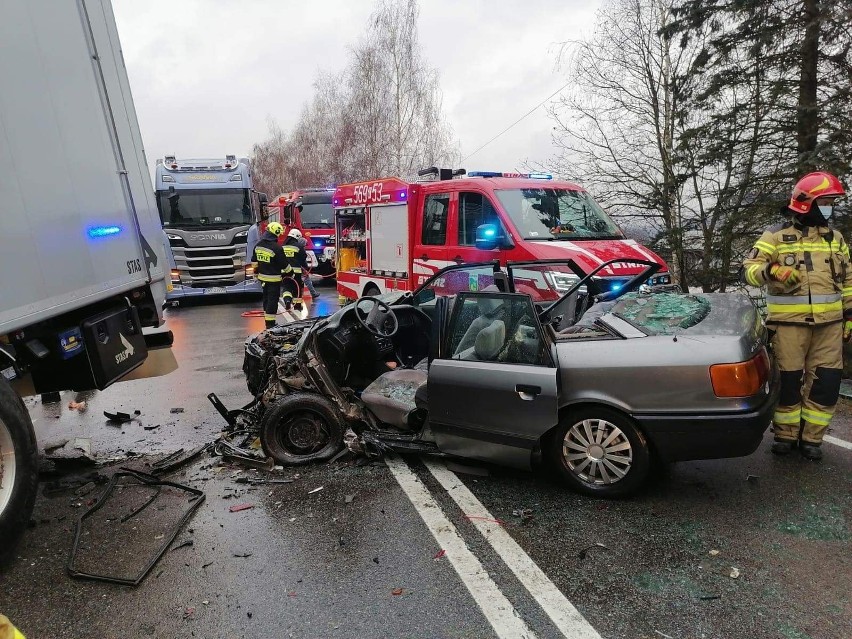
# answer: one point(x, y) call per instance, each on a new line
point(488, 237)
point(263, 199)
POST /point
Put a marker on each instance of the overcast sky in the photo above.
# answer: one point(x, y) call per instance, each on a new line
point(207, 75)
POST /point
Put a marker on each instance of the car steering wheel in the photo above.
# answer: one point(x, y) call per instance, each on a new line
point(375, 320)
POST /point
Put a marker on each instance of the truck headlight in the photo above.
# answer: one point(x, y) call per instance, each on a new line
point(560, 281)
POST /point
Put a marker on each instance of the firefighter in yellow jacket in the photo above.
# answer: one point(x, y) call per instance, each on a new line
point(806, 269)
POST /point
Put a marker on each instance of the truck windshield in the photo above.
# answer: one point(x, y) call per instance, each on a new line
point(204, 207)
point(557, 214)
point(317, 215)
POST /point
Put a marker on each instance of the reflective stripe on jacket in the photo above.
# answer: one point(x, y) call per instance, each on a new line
point(823, 293)
point(269, 259)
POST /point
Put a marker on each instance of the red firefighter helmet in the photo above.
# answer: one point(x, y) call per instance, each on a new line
point(812, 186)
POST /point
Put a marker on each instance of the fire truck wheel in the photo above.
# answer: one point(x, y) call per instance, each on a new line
point(301, 428)
point(18, 470)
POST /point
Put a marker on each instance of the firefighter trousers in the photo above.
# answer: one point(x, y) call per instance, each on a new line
point(271, 293)
point(810, 359)
point(292, 290)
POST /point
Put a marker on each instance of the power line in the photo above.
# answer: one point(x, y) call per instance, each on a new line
point(518, 121)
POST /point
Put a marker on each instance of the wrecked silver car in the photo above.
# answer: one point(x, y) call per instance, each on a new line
point(530, 363)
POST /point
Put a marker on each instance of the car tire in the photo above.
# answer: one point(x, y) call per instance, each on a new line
point(18, 471)
point(301, 428)
point(592, 468)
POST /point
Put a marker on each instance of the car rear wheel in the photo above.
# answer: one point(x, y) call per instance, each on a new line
point(301, 428)
point(600, 452)
point(18, 470)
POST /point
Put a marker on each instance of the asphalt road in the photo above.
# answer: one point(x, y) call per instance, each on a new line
point(362, 557)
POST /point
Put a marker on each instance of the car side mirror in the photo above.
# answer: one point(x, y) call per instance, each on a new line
point(487, 237)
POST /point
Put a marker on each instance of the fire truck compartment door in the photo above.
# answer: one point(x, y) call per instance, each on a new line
point(389, 250)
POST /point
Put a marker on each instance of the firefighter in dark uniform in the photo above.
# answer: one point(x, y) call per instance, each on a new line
point(269, 261)
point(806, 269)
point(297, 259)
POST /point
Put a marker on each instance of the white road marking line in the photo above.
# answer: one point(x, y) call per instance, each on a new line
point(493, 603)
point(563, 614)
point(837, 442)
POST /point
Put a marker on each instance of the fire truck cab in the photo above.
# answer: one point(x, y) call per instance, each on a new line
point(310, 211)
point(393, 235)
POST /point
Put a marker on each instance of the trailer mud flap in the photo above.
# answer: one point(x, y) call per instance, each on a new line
point(115, 344)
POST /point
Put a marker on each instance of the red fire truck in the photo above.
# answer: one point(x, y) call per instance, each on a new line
point(310, 211)
point(393, 235)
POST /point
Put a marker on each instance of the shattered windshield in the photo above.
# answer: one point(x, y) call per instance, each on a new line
point(557, 214)
point(661, 313)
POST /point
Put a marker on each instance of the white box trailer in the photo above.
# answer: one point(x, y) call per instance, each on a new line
point(83, 268)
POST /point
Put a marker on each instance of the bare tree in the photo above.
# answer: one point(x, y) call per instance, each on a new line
point(381, 116)
point(616, 127)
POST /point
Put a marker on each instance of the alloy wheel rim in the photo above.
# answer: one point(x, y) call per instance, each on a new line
point(8, 466)
point(597, 452)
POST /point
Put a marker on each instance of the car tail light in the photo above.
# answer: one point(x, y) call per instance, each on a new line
point(742, 379)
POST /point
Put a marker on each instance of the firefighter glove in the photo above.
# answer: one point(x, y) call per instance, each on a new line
point(784, 274)
point(847, 330)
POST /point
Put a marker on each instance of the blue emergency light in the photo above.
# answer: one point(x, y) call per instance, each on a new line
point(103, 231)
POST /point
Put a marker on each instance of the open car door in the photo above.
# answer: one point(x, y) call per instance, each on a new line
point(561, 288)
point(493, 386)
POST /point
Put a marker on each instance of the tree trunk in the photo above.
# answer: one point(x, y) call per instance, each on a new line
point(807, 115)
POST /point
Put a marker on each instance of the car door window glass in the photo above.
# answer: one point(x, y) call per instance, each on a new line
point(475, 209)
point(496, 327)
point(435, 219)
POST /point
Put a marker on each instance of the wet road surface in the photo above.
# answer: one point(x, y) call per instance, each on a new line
point(362, 556)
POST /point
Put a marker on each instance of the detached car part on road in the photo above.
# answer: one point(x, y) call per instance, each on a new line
point(533, 361)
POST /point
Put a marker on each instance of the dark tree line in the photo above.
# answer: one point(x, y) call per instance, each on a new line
point(693, 118)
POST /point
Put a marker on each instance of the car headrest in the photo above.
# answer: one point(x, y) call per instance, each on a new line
point(488, 306)
point(490, 340)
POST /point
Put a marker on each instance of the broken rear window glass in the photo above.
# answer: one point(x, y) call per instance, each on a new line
point(662, 313)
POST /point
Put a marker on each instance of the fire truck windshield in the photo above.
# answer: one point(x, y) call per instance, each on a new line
point(318, 215)
point(557, 214)
point(184, 208)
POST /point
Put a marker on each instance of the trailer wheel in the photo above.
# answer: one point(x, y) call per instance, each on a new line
point(18, 470)
point(301, 428)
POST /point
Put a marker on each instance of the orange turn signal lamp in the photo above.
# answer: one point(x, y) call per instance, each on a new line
point(742, 379)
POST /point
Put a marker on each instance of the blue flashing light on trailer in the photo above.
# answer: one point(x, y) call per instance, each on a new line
point(103, 231)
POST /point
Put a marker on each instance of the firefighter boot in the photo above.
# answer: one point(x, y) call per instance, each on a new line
point(810, 451)
point(783, 446)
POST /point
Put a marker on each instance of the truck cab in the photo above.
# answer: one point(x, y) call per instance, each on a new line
point(310, 211)
point(394, 235)
point(206, 208)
